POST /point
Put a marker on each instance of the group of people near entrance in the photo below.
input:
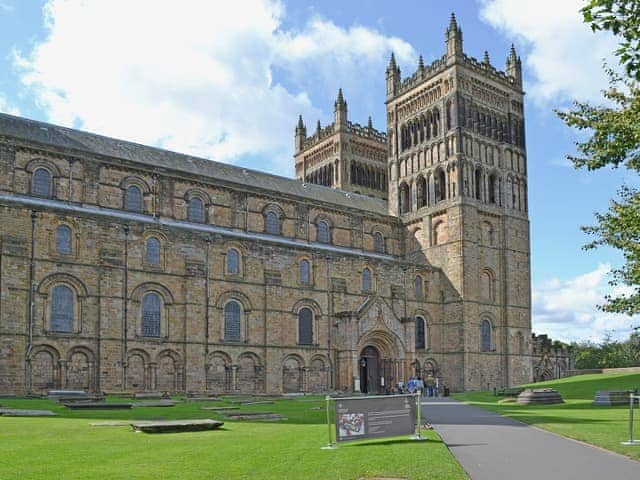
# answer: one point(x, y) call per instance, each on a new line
point(430, 386)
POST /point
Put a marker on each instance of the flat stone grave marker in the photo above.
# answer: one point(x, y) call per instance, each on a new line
point(254, 416)
point(8, 395)
point(259, 402)
point(98, 406)
point(175, 426)
point(148, 396)
point(17, 412)
point(156, 403)
point(609, 398)
point(201, 394)
point(87, 399)
point(214, 409)
point(203, 399)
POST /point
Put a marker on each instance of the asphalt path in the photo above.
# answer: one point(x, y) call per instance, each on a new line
point(492, 447)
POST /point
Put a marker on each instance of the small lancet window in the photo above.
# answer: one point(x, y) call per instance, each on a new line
point(195, 210)
point(232, 321)
point(323, 232)
point(366, 280)
point(41, 182)
point(151, 307)
point(305, 277)
point(485, 336)
point(233, 262)
point(420, 333)
point(272, 225)
point(63, 240)
point(133, 199)
point(378, 242)
point(62, 309)
point(305, 326)
point(153, 251)
point(418, 286)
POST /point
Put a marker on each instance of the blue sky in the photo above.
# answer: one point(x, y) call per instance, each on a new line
point(226, 80)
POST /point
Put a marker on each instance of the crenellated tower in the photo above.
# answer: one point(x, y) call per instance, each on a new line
point(343, 155)
point(458, 181)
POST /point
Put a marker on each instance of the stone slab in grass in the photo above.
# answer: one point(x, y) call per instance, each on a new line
point(214, 409)
point(8, 395)
point(98, 406)
point(156, 403)
point(148, 396)
point(117, 423)
point(609, 398)
point(541, 396)
point(66, 393)
point(258, 402)
point(87, 399)
point(16, 412)
point(271, 416)
point(203, 399)
point(175, 426)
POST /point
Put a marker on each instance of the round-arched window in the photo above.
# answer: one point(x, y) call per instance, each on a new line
point(305, 276)
point(62, 309)
point(151, 308)
point(232, 321)
point(41, 182)
point(323, 232)
point(233, 262)
point(366, 280)
point(133, 199)
point(195, 210)
point(305, 326)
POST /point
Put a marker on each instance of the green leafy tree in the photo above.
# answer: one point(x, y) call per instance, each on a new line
point(614, 141)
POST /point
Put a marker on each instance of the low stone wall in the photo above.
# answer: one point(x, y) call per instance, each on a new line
point(573, 373)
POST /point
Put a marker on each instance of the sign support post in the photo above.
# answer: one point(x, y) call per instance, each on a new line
point(632, 399)
point(418, 435)
point(330, 444)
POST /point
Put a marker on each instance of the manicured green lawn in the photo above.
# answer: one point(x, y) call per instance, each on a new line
point(68, 447)
point(576, 418)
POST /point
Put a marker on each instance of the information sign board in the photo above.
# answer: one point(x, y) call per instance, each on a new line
point(374, 417)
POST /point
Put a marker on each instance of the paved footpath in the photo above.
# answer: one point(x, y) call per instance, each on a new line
point(492, 447)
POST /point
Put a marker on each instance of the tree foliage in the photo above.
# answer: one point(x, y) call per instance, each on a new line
point(614, 141)
point(608, 354)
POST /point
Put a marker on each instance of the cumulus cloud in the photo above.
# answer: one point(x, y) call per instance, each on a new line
point(191, 76)
point(563, 57)
point(6, 107)
point(567, 310)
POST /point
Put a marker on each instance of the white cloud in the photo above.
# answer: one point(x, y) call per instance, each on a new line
point(567, 310)
point(6, 107)
point(563, 56)
point(192, 76)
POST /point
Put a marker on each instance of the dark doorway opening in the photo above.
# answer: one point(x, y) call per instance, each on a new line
point(369, 370)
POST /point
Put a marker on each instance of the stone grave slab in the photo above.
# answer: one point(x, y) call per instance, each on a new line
point(259, 402)
point(214, 409)
point(87, 399)
point(541, 396)
point(115, 423)
point(254, 416)
point(67, 394)
point(156, 403)
point(175, 426)
point(98, 406)
point(148, 396)
point(203, 399)
point(16, 412)
point(609, 398)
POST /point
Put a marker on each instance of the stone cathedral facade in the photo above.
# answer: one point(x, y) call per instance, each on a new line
point(129, 268)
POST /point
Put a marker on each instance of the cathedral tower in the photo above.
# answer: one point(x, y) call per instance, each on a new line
point(458, 181)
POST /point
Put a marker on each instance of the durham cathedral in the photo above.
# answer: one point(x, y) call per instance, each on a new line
point(392, 253)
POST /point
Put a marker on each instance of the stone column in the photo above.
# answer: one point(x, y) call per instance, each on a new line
point(234, 378)
point(153, 376)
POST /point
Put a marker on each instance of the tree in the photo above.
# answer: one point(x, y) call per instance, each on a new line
point(615, 141)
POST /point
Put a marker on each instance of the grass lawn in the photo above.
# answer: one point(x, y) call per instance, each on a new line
point(68, 447)
point(602, 426)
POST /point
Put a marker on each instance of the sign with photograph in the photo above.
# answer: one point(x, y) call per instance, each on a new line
point(374, 417)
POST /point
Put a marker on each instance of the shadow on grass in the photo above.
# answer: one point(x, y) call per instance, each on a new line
point(397, 441)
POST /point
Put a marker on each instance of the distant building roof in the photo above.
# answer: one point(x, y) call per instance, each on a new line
point(61, 137)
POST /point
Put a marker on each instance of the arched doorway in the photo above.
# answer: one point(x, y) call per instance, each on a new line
point(369, 370)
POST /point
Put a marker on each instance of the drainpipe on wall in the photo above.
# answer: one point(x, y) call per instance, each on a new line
point(27, 380)
point(125, 307)
point(329, 320)
point(206, 300)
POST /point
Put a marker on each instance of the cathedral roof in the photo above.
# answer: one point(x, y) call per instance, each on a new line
point(48, 135)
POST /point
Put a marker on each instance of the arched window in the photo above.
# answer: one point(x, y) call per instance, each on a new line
point(63, 240)
point(305, 326)
point(305, 277)
point(378, 242)
point(151, 306)
point(153, 251)
point(271, 223)
point(233, 262)
point(323, 232)
point(62, 309)
point(232, 321)
point(420, 333)
point(41, 182)
point(195, 210)
point(418, 286)
point(486, 285)
point(485, 336)
point(366, 280)
point(133, 199)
